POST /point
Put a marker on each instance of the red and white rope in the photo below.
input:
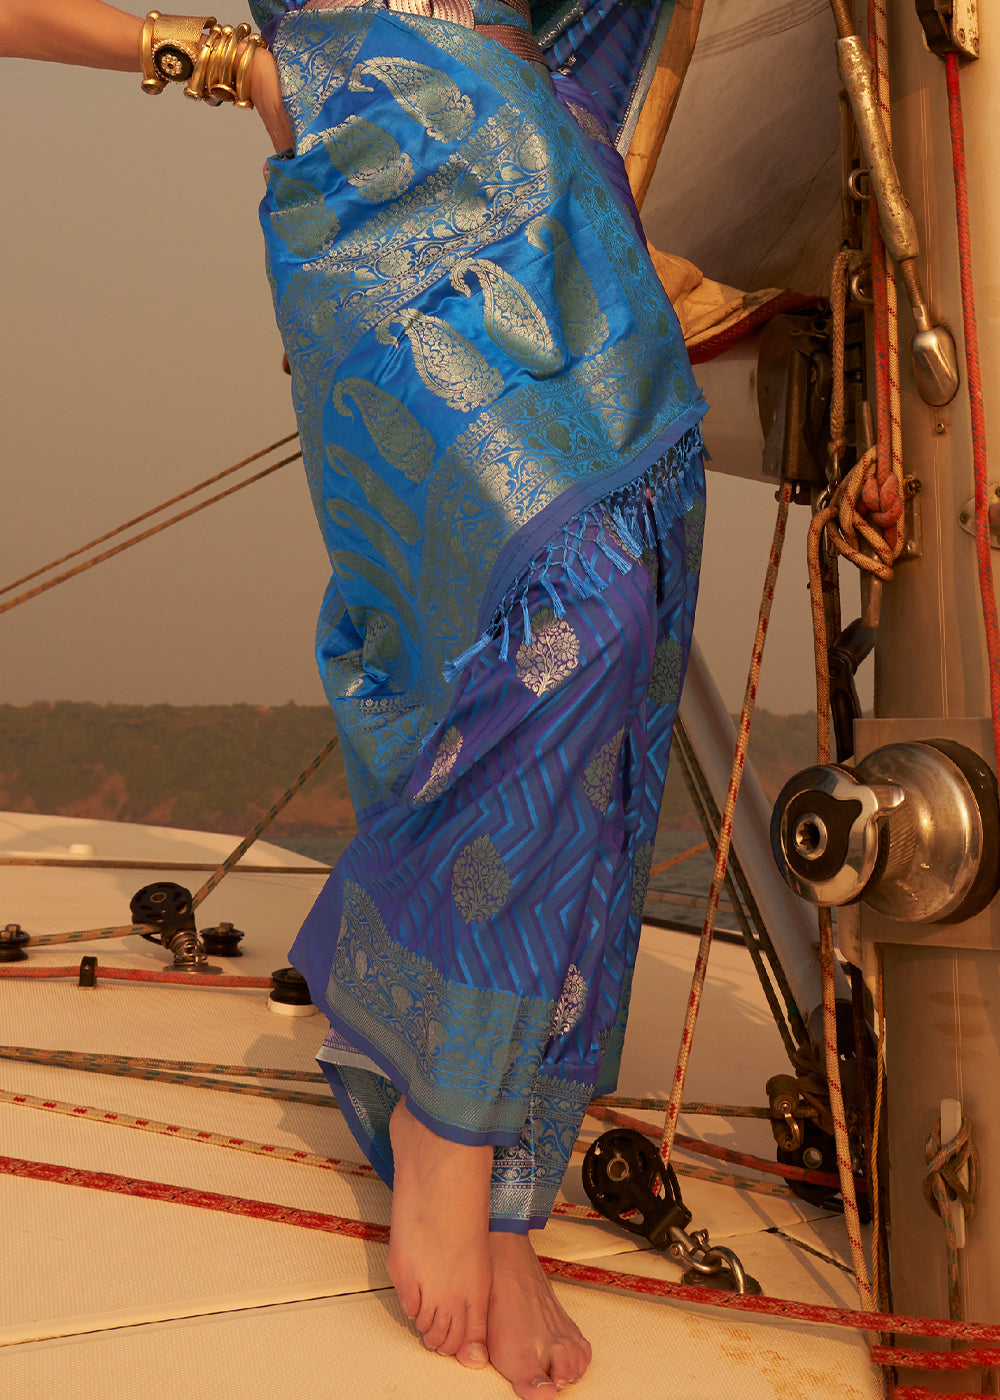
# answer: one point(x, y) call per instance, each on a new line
point(726, 827)
point(958, 1330)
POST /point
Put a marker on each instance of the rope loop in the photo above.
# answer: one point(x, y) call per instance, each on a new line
point(844, 521)
point(945, 1162)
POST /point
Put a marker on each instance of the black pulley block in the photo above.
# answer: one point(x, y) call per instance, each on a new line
point(167, 907)
point(625, 1179)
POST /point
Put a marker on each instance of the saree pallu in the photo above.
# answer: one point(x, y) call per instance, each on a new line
point(491, 389)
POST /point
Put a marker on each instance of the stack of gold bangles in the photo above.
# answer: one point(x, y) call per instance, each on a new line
point(212, 60)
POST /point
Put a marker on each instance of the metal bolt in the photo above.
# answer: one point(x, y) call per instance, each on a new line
point(940, 427)
point(964, 517)
point(11, 931)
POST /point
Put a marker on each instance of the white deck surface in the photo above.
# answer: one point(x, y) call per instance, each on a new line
point(123, 1298)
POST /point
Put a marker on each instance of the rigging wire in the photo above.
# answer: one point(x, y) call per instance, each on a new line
point(155, 510)
point(41, 588)
point(726, 826)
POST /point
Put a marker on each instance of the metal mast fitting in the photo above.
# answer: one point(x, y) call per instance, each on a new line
point(950, 26)
point(932, 347)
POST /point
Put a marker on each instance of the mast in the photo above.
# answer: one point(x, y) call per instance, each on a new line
point(942, 981)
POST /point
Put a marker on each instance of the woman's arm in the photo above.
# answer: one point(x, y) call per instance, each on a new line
point(85, 32)
point(95, 35)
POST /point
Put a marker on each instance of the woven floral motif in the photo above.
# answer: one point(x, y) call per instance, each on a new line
point(694, 533)
point(640, 877)
point(651, 563)
point(665, 678)
point(572, 1000)
point(480, 884)
point(599, 773)
point(554, 653)
point(444, 761)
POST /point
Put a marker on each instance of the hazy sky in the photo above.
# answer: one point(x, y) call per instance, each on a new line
point(140, 355)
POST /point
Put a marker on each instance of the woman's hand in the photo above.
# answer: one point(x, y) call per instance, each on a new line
point(265, 90)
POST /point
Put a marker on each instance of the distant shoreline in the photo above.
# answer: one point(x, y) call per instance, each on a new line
point(220, 767)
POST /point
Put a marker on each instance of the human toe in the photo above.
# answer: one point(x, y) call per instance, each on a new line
point(433, 1325)
point(473, 1355)
point(473, 1351)
point(454, 1336)
point(535, 1388)
point(408, 1294)
point(569, 1361)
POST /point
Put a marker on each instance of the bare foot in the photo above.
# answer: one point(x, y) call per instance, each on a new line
point(533, 1342)
point(439, 1258)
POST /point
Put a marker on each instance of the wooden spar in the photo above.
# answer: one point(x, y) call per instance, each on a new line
point(661, 99)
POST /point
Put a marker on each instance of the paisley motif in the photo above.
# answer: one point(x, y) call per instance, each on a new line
point(444, 761)
point(448, 364)
point(301, 218)
point(348, 564)
point(480, 885)
point(345, 516)
point(384, 502)
point(391, 426)
point(425, 94)
point(571, 1003)
point(554, 653)
point(369, 158)
point(584, 324)
point(314, 62)
point(599, 773)
point(511, 318)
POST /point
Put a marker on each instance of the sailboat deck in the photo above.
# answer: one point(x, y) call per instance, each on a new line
point(126, 1297)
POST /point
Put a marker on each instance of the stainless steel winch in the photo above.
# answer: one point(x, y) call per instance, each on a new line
point(912, 831)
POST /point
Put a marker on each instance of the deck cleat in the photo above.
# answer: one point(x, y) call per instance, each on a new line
point(290, 994)
point(222, 941)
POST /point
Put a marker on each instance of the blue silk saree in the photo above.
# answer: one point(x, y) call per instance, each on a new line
point(501, 434)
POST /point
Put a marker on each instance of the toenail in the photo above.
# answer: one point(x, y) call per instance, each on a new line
point(477, 1352)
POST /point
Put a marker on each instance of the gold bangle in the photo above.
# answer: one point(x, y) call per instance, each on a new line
point(170, 47)
point(244, 69)
point(196, 83)
point(220, 80)
point(150, 82)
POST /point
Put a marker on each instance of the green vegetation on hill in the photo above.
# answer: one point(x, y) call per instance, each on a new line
point(219, 767)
